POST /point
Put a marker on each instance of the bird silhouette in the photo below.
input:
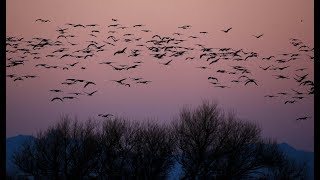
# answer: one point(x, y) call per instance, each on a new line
point(120, 51)
point(69, 97)
point(303, 118)
point(281, 77)
point(301, 78)
point(290, 102)
point(213, 78)
point(88, 83)
point(258, 36)
point(56, 90)
point(251, 81)
point(222, 86)
point(270, 96)
point(226, 31)
point(120, 81)
point(105, 115)
point(167, 63)
point(56, 98)
point(90, 94)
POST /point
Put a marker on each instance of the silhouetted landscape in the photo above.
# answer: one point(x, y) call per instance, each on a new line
point(205, 141)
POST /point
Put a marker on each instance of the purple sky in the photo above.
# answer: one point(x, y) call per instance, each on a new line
point(29, 106)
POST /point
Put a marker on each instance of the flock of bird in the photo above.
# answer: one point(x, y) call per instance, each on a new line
point(164, 49)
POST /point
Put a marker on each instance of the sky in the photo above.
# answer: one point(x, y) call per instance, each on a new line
point(28, 101)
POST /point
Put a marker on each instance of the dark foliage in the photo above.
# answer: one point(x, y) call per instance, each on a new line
point(206, 141)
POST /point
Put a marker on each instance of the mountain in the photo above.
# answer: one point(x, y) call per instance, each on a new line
point(14, 143)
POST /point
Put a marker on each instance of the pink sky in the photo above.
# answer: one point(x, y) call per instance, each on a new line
point(28, 102)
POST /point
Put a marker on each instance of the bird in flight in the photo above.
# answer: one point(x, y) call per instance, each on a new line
point(120, 81)
point(87, 83)
point(258, 36)
point(55, 90)
point(213, 78)
point(226, 31)
point(56, 98)
point(251, 80)
point(303, 118)
point(291, 102)
point(167, 63)
point(90, 94)
point(42, 20)
point(120, 51)
point(105, 115)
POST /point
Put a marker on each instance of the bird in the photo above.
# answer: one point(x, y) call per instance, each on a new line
point(226, 31)
point(69, 97)
point(291, 102)
point(56, 90)
point(202, 67)
point(213, 78)
point(268, 58)
point(75, 93)
point(297, 92)
point(42, 20)
point(90, 94)
point(270, 96)
point(143, 82)
point(167, 63)
point(136, 79)
point(56, 98)
point(258, 36)
point(132, 67)
point(73, 64)
point(303, 118)
point(281, 77)
point(265, 68)
point(105, 115)
point(88, 83)
point(120, 81)
point(120, 51)
point(18, 79)
point(222, 87)
point(301, 78)
point(251, 80)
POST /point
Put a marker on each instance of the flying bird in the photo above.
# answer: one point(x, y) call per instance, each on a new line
point(167, 63)
point(56, 98)
point(303, 118)
point(105, 115)
point(88, 83)
point(258, 36)
point(226, 31)
point(90, 94)
point(120, 51)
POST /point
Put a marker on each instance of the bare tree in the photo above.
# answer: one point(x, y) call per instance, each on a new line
point(214, 144)
point(116, 143)
point(152, 155)
point(66, 150)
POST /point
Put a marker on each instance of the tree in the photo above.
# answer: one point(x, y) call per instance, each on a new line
point(66, 150)
point(215, 144)
point(116, 143)
point(152, 154)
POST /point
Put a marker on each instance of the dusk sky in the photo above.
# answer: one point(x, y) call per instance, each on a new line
point(181, 82)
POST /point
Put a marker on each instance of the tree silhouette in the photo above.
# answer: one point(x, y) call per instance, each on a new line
point(206, 141)
point(66, 150)
point(215, 144)
point(152, 155)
